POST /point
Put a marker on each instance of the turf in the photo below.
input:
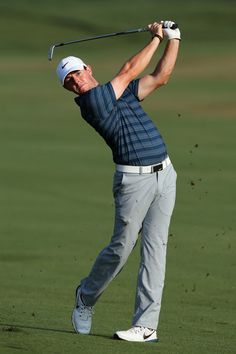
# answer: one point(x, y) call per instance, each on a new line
point(56, 177)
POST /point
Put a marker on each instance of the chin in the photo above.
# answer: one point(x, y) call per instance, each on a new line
point(83, 91)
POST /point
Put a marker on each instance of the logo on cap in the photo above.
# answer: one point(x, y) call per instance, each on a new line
point(64, 65)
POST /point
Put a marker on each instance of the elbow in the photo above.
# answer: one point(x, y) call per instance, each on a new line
point(164, 76)
point(164, 79)
point(162, 82)
point(128, 72)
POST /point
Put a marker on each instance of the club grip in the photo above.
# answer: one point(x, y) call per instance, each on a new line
point(174, 26)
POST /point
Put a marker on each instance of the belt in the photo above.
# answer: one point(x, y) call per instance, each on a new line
point(144, 169)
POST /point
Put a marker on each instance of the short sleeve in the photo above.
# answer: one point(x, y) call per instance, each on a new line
point(133, 87)
point(97, 102)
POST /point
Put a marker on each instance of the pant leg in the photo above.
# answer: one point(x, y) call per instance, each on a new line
point(153, 251)
point(133, 195)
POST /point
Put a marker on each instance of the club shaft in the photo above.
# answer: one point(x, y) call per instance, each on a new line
point(102, 36)
point(137, 30)
point(51, 49)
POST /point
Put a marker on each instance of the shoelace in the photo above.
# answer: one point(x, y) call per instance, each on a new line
point(85, 311)
point(142, 330)
point(137, 329)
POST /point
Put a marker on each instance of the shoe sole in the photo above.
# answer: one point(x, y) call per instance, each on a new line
point(73, 322)
point(115, 336)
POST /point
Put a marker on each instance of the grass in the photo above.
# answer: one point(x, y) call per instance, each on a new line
point(56, 177)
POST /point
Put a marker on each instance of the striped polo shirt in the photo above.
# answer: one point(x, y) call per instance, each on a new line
point(126, 128)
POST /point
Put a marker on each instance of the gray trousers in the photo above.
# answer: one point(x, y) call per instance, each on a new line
point(143, 203)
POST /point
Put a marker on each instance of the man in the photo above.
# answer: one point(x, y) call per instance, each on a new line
point(144, 180)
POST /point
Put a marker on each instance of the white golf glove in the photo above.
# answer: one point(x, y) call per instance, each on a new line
point(170, 33)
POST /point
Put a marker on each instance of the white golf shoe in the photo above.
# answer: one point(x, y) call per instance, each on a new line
point(137, 334)
point(81, 315)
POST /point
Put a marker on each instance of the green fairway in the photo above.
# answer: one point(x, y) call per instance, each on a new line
point(56, 209)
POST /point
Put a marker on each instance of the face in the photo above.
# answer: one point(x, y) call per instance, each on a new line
point(80, 81)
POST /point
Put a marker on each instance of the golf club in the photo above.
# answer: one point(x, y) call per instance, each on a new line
point(53, 46)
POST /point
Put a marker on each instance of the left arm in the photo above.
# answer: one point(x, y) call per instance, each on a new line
point(163, 70)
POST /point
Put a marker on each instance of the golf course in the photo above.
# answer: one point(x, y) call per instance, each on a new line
point(56, 202)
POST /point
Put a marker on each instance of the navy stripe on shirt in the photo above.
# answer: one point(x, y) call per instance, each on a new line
point(126, 128)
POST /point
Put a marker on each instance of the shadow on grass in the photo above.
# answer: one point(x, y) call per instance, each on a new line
point(6, 327)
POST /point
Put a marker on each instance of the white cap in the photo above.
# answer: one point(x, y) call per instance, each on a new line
point(67, 65)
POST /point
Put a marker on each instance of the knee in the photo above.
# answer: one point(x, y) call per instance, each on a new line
point(119, 250)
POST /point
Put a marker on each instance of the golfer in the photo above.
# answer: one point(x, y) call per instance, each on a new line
point(144, 180)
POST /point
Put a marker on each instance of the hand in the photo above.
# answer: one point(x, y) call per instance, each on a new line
point(170, 33)
point(156, 29)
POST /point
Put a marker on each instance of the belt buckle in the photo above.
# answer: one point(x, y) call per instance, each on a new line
point(157, 168)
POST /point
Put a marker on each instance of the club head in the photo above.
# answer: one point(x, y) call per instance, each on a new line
point(50, 52)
